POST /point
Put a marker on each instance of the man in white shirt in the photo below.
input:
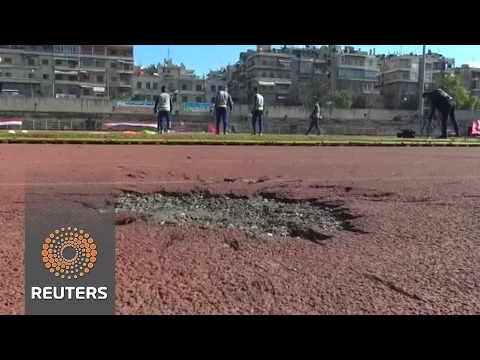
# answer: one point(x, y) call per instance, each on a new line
point(163, 109)
point(257, 113)
point(315, 118)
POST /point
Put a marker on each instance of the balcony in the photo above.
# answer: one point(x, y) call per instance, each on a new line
point(18, 65)
point(125, 71)
point(126, 54)
point(19, 80)
point(125, 84)
point(95, 50)
point(30, 49)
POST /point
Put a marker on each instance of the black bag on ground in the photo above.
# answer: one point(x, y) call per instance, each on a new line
point(406, 134)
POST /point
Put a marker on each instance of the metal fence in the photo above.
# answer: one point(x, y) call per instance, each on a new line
point(270, 127)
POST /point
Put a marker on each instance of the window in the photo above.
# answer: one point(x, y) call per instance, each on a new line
point(264, 74)
point(213, 88)
point(198, 99)
point(7, 60)
point(113, 65)
point(198, 88)
point(46, 76)
point(65, 49)
point(184, 87)
point(113, 79)
point(58, 62)
point(212, 100)
point(148, 85)
point(100, 78)
point(184, 99)
point(287, 76)
point(45, 62)
point(272, 75)
point(171, 87)
point(7, 74)
point(264, 63)
point(139, 85)
point(220, 87)
point(155, 86)
point(31, 62)
point(31, 75)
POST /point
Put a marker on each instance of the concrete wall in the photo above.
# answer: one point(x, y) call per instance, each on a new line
point(21, 104)
point(99, 107)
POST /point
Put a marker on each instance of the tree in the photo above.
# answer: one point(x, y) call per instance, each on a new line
point(453, 86)
point(303, 94)
point(340, 100)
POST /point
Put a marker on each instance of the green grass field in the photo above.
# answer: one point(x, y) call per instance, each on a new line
point(230, 139)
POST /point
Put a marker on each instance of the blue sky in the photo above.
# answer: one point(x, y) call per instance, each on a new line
point(202, 58)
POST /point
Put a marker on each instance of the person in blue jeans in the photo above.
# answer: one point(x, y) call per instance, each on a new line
point(257, 113)
point(223, 108)
point(163, 109)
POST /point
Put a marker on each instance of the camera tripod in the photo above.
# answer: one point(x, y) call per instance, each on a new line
point(428, 125)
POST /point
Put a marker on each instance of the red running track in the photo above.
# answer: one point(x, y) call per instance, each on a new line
point(420, 254)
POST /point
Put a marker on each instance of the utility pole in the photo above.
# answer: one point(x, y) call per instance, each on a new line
point(421, 82)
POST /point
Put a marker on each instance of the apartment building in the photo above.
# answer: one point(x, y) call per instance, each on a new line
point(190, 87)
point(67, 71)
point(399, 75)
point(354, 71)
point(216, 81)
point(277, 71)
point(237, 80)
point(311, 64)
point(271, 71)
point(470, 77)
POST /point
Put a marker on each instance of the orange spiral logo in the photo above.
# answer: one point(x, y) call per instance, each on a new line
point(81, 246)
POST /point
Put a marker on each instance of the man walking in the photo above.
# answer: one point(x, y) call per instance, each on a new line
point(163, 109)
point(315, 118)
point(441, 101)
point(257, 113)
point(223, 108)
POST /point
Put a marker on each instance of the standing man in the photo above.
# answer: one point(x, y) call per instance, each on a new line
point(441, 101)
point(163, 109)
point(257, 113)
point(315, 118)
point(222, 102)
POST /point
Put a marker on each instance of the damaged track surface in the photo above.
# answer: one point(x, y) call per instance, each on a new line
point(257, 216)
point(409, 254)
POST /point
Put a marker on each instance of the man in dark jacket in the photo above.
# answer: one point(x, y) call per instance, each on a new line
point(441, 101)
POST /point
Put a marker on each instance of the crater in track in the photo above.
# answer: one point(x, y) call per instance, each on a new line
point(262, 215)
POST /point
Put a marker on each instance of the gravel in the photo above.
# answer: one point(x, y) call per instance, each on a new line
point(256, 216)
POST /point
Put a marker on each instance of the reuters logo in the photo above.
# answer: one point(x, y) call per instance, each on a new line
point(69, 253)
